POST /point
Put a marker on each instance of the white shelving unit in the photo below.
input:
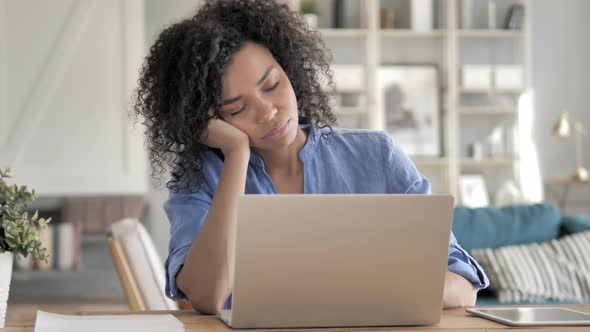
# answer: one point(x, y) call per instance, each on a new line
point(443, 46)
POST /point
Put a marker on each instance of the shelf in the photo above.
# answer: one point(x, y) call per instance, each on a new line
point(407, 33)
point(488, 111)
point(343, 33)
point(489, 162)
point(490, 90)
point(37, 275)
point(351, 111)
point(430, 162)
point(484, 33)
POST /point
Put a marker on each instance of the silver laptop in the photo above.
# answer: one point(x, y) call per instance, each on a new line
point(339, 260)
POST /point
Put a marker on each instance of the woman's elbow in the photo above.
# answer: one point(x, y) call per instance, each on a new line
point(206, 307)
point(458, 292)
point(207, 304)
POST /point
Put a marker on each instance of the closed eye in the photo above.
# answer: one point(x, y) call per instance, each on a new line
point(273, 87)
point(238, 111)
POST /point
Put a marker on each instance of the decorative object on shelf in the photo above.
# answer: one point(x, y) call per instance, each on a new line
point(473, 190)
point(19, 233)
point(476, 76)
point(409, 97)
point(475, 150)
point(338, 14)
point(348, 77)
point(508, 194)
point(422, 15)
point(511, 140)
point(495, 141)
point(387, 18)
point(515, 18)
point(310, 12)
point(508, 77)
point(467, 14)
point(562, 129)
point(491, 14)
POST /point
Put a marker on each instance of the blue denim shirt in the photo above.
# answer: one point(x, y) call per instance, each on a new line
point(345, 161)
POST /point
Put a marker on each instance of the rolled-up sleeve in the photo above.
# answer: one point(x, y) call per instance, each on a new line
point(461, 263)
point(186, 213)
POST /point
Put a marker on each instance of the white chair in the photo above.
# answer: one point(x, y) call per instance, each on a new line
point(139, 267)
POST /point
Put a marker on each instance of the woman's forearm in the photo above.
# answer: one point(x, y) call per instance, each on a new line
point(458, 292)
point(207, 272)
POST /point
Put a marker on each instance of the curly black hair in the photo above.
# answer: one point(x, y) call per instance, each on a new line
point(182, 76)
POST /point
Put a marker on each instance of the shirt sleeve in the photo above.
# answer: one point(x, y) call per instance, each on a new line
point(463, 264)
point(186, 213)
point(401, 174)
point(403, 177)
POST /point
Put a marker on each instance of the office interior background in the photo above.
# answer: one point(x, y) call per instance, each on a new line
point(496, 85)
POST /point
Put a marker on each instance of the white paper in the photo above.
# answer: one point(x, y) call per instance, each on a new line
point(49, 322)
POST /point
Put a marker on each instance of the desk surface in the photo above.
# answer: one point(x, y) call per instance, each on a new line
point(452, 320)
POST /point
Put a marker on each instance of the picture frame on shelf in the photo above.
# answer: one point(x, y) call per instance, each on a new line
point(409, 96)
point(473, 191)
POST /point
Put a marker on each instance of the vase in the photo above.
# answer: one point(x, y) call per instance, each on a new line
point(6, 259)
point(422, 15)
point(312, 20)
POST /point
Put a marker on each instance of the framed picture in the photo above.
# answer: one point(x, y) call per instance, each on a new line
point(409, 98)
point(473, 191)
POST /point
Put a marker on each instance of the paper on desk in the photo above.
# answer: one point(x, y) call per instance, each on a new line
point(49, 322)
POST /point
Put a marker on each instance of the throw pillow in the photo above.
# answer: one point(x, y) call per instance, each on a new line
point(556, 270)
point(576, 224)
point(493, 227)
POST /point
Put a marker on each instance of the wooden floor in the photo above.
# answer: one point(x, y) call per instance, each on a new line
point(21, 312)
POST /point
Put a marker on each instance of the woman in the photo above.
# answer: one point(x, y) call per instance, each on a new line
point(233, 104)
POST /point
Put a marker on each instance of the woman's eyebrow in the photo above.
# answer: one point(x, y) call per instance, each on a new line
point(265, 75)
point(234, 99)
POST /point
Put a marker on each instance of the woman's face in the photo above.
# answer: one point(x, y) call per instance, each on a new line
point(258, 98)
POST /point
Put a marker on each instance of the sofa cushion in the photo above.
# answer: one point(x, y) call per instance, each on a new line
point(492, 227)
point(575, 224)
point(556, 270)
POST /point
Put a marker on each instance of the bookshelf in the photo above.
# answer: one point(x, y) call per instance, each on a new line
point(465, 112)
point(82, 268)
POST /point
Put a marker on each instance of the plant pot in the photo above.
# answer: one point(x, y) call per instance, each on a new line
point(312, 20)
point(6, 259)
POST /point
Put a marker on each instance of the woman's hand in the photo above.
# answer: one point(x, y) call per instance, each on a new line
point(224, 136)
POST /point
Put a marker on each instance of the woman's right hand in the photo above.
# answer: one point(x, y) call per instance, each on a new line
point(224, 136)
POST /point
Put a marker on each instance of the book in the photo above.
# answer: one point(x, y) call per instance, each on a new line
point(46, 238)
point(49, 322)
point(66, 248)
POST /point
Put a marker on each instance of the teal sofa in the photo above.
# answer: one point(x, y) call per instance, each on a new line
point(492, 227)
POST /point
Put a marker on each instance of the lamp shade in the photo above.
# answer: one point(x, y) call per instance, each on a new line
point(562, 127)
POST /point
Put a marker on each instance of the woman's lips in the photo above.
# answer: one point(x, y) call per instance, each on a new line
point(279, 132)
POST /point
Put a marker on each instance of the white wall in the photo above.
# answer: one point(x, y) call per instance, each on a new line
point(67, 70)
point(561, 78)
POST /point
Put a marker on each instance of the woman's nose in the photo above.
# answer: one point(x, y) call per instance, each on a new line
point(265, 111)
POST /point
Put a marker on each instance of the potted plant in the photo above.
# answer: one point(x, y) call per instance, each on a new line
point(19, 233)
point(309, 10)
